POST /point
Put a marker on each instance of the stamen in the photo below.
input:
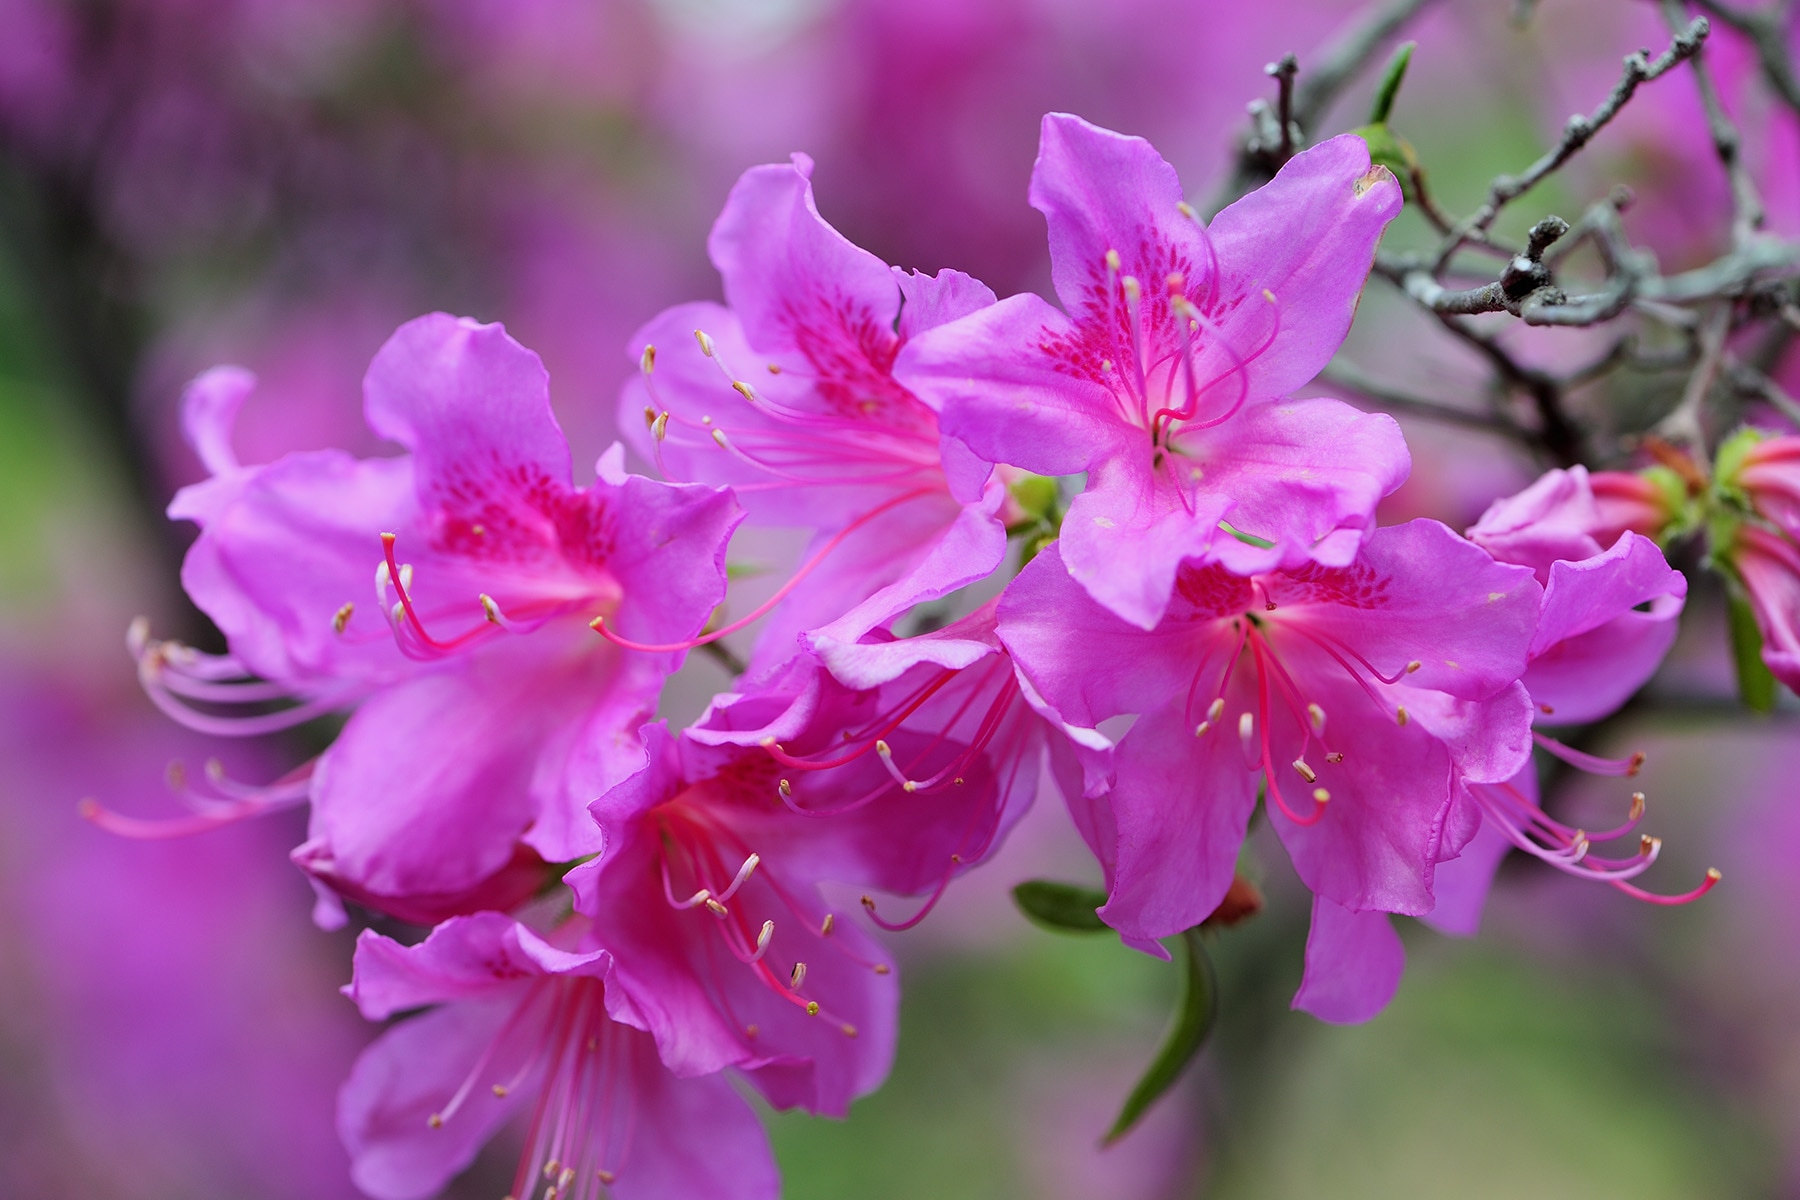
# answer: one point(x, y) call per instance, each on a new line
point(825, 925)
point(1336, 756)
point(1400, 715)
point(797, 976)
point(706, 343)
point(1246, 727)
point(491, 610)
point(743, 389)
point(715, 908)
point(1306, 772)
point(1216, 709)
point(763, 938)
point(743, 873)
point(1316, 715)
point(1592, 764)
point(647, 362)
point(1412, 666)
point(341, 618)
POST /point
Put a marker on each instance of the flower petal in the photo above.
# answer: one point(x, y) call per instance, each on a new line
point(1354, 961)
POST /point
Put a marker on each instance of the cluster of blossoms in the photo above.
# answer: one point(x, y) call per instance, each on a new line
point(622, 913)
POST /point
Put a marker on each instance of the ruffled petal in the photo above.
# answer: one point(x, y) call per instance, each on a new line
point(1354, 961)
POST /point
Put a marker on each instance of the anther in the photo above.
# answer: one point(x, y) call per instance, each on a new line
point(341, 617)
point(714, 907)
point(1321, 796)
point(1412, 666)
point(435, 1120)
point(551, 1168)
point(825, 925)
point(868, 903)
point(1306, 772)
point(1187, 210)
point(762, 939)
point(706, 343)
point(1648, 845)
point(883, 749)
point(911, 785)
point(882, 968)
point(718, 435)
point(1637, 805)
point(1336, 756)
point(786, 789)
point(1112, 260)
point(499, 1091)
point(647, 361)
point(797, 976)
point(1317, 716)
point(743, 389)
point(1134, 291)
point(1547, 710)
point(566, 1178)
point(774, 368)
point(1637, 764)
point(1246, 726)
point(1400, 715)
point(1216, 709)
point(659, 428)
point(490, 609)
point(1713, 874)
point(812, 1008)
point(849, 1029)
point(1201, 728)
point(605, 1176)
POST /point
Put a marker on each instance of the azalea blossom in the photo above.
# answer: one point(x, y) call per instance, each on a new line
point(528, 1022)
point(787, 394)
point(444, 594)
point(1361, 700)
point(1166, 379)
point(724, 949)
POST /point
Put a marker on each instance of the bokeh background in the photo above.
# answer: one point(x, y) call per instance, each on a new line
point(279, 183)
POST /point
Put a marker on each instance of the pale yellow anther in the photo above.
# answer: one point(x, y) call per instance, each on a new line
point(718, 435)
point(883, 749)
point(551, 1168)
point(647, 360)
point(1321, 796)
point(911, 785)
point(500, 1091)
point(1412, 666)
point(1336, 756)
point(490, 609)
point(849, 1029)
point(398, 612)
point(1400, 715)
point(706, 343)
point(812, 1008)
point(762, 939)
point(1306, 772)
point(1268, 295)
point(1134, 291)
point(435, 1120)
point(1106, 364)
point(1112, 260)
point(605, 1176)
point(659, 428)
point(406, 577)
point(1648, 845)
point(797, 976)
point(342, 616)
point(478, 530)
point(1714, 874)
point(1246, 726)
point(882, 968)
point(786, 789)
point(826, 924)
point(743, 389)
point(714, 907)
point(1201, 728)
point(1216, 709)
point(1316, 715)
point(1186, 210)
point(566, 1178)
point(774, 368)
point(1637, 805)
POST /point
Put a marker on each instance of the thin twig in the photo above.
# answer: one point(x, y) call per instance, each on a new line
point(1682, 426)
point(1348, 58)
point(1746, 204)
point(1577, 132)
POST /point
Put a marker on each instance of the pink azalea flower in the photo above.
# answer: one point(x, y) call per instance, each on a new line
point(1768, 565)
point(1759, 526)
point(1569, 515)
point(788, 395)
point(1165, 382)
point(529, 1022)
point(903, 778)
point(487, 715)
point(1363, 698)
point(724, 948)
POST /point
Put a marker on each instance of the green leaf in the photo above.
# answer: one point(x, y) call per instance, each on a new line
point(1756, 685)
point(1061, 907)
point(1390, 84)
point(1194, 1017)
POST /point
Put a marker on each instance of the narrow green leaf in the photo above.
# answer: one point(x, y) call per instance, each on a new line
point(1194, 1017)
point(1061, 907)
point(1756, 685)
point(1390, 84)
